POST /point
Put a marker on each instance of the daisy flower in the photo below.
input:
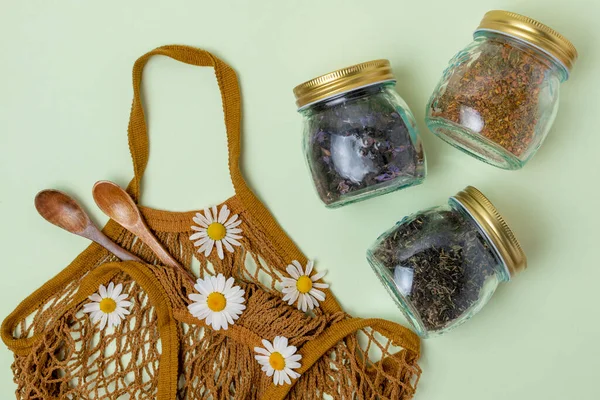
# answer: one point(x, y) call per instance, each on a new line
point(108, 305)
point(278, 360)
point(302, 287)
point(219, 302)
point(216, 229)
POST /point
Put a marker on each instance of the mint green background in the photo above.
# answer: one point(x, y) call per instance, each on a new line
point(64, 104)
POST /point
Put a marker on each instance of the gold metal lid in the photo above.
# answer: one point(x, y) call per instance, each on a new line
point(533, 32)
point(494, 227)
point(343, 80)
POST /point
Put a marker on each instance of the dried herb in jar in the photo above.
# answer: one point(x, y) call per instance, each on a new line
point(360, 142)
point(496, 93)
point(440, 262)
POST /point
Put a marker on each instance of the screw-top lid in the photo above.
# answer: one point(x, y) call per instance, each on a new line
point(494, 227)
point(532, 32)
point(342, 80)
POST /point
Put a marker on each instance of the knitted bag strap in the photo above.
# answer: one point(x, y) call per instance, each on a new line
point(230, 95)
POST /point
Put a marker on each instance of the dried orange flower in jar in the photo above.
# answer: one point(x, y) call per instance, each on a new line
point(499, 96)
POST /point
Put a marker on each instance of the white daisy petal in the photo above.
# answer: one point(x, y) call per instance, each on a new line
point(316, 293)
point(288, 351)
point(102, 291)
point(288, 282)
point(202, 243)
point(232, 241)
point(220, 249)
point(234, 224)
point(208, 216)
point(103, 320)
point(209, 246)
point(268, 345)
point(298, 266)
point(95, 297)
point(293, 272)
point(117, 291)
point(318, 276)
point(283, 343)
point(201, 220)
point(121, 297)
point(233, 218)
point(124, 303)
point(228, 246)
point(309, 267)
point(94, 306)
point(262, 351)
point(228, 284)
point(198, 235)
point(295, 357)
point(286, 377)
point(109, 290)
point(223, 214)
point(294, 297)
point(229, 319)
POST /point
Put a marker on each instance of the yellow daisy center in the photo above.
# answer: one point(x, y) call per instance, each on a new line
point(108, 305)
point(304, 284)
point(216, 301)
point(216, 231)
point(277, 361)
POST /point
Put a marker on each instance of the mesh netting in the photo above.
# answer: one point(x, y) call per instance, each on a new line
point(70, 358)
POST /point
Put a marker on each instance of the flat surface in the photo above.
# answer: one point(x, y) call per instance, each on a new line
point(65, 95)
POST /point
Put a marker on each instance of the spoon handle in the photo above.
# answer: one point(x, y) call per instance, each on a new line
point(142, 231)
point(97, 236)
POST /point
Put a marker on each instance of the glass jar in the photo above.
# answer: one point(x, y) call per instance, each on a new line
point(442, 265)
point(360, 138)
point(498, 97)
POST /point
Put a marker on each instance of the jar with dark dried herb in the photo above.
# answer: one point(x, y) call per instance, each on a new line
point(360, 137)
point(442, 265)
point(498, 97)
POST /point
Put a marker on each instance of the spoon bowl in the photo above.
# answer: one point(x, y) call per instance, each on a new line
point(61, 210)
point(116, 203)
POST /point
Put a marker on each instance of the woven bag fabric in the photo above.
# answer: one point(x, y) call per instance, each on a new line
point(161, 351)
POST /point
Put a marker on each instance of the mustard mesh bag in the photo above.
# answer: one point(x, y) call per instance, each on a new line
point(160, 350)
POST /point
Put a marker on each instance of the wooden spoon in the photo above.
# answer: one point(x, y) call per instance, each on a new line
point(63, 211)
point(118, 205)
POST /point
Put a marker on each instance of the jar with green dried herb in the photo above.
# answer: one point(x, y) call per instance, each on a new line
point(498, 97)
point(360, 137)
point(442, 265)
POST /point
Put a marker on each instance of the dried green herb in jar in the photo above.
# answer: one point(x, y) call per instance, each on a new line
point(449, 264)
point(442, 265)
